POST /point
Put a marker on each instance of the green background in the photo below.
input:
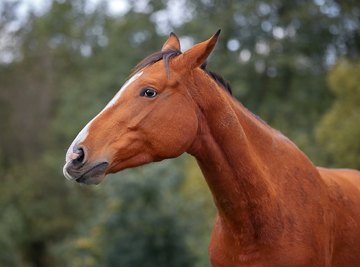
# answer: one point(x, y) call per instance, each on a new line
point(294, 63)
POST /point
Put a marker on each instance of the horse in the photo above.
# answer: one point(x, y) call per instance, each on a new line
point(274, 207)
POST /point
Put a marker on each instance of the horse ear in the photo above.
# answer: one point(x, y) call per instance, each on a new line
point(197, 55)
point(172, 43)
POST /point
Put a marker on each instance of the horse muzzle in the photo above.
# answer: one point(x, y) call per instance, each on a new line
point(78, 169)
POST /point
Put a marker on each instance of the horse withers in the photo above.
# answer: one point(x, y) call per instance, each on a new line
point(274, 207)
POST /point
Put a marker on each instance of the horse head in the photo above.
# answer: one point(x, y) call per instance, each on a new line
point(152, 117)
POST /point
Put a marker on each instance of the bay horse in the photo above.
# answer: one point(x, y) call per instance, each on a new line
point(274, 207)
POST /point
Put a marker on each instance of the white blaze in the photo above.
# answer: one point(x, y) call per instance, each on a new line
point(84, 132)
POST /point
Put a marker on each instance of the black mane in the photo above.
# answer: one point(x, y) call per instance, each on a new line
point(217, 78)
point(168, 54)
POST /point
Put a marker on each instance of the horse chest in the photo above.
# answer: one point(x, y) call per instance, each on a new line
point(232, 249)
point(226, 249)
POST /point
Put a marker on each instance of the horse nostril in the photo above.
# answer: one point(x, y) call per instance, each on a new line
point(79, 157)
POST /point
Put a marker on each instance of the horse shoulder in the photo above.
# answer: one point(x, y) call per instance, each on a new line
point(343, 184)
point(344, 193)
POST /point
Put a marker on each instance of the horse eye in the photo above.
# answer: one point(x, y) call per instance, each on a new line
point(148, 92)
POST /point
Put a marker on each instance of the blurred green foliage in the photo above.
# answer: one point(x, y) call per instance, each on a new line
point(59, 66)
point(339, 130)
point(142, 222)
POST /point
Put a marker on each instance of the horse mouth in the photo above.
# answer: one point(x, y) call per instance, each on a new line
point(94, 175)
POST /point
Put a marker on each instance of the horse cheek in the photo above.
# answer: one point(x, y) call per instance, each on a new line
point(175, 136)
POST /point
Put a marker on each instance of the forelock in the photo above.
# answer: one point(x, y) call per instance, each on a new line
point(157, 56)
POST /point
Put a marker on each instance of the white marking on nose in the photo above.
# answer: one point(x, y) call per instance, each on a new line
point(121, 91)
point(84, 132)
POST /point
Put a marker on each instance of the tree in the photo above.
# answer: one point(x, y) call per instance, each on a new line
point(141, 222)
point(339, 129)
point(38, 206)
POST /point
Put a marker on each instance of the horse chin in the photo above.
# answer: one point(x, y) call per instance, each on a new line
point(91, 180)
point(94, 175)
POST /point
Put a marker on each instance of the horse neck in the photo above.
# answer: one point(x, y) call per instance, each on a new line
point(237, 154)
